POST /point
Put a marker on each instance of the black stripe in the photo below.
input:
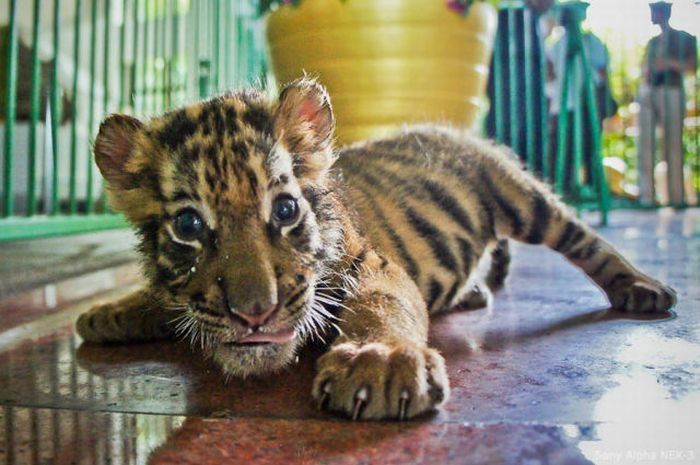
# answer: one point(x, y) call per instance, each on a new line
point(258, 118)
point(448, 204)
point(435, 239)
point(408, 262)
point(434, 292)
point(615, 279)
point(600, 267)
point(294, 298)
point(540, 220)
point(565, 237)
point(586, 252)
point(465, 250)
point(178, 129)
point(509, 211)
point(451, 294)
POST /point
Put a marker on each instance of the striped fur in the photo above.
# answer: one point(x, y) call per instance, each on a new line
point(394, 230)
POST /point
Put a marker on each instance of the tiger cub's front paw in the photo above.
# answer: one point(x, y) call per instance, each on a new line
point(123, 321)
point(640, 294)
point(377, 381)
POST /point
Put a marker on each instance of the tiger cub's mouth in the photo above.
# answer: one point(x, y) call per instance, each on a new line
point(282, 336)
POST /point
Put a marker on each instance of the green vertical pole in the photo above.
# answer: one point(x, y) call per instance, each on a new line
point(122, 56)
point(35, 102)
point(73, 201)
point(544, 121)
point(175, 59)
point(529, 83)
point(134, 69)
point(599, 181)
point(158, 56)
point(105, 77)
point(227, 45)
point(240, 46)
point(577, 162)
point(216, 52)
point(167, 54)
point(513, 82)
point(89, 204)
point(562, 129)
point(144, 64)
point(10, 109)
point(498, 88)
point(55, 106)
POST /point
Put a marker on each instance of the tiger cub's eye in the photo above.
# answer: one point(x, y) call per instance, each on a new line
point(188, 225)
point(285, 210)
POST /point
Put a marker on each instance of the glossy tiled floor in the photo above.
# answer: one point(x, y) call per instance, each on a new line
point(546, 375)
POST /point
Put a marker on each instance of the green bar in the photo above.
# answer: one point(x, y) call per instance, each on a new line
point(91, 112)
point(73, 201)
point(577, 127)
point(562, 129)
point(546, 156)
point(175, 57)
point(498, 88)
point(239, 45)
point(529, 94)
point(10, 110)
point(44, 226)
point(144, 65)
point(35, 104)
point(597, 170)
point(122, 57)
point(216, 52)
point(226, 60)
point(513, 83)
point(55, 107)
point(156, 104)
point(163, 50)
point(106, 83)
point(134, 73)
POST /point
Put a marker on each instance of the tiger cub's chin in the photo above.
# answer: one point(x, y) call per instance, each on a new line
point(253, 360)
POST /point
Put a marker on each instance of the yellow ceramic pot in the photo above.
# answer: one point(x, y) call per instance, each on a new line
point(387, 62)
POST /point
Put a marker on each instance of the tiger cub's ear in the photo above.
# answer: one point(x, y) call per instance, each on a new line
point(114, 148)
point(304, 122)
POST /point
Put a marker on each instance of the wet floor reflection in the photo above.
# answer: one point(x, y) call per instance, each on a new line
point(64, 437)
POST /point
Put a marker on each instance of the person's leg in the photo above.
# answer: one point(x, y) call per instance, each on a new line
point(673, 136)
point(645, 145)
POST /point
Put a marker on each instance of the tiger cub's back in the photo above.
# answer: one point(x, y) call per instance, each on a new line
point(417, 202)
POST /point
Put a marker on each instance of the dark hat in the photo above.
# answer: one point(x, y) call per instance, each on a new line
point(573, 5)
point(660, 6)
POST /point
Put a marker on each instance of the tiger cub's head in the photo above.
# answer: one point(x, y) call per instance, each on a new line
point(233, 203)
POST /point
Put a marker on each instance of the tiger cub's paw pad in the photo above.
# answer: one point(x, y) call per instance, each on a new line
point(642, 295)
point(377, 381)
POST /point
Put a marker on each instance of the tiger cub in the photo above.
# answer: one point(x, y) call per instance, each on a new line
point(257, 236)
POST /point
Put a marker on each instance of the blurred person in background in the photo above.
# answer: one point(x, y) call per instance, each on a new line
point(668, 57)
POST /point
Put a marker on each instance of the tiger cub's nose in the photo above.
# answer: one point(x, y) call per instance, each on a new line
point(255, 316)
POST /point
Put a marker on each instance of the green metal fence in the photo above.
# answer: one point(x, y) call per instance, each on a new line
point(573, 149)
point(65, 64)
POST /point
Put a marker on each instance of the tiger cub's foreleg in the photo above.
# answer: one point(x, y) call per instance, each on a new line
point(132, 318)
point(529, 212)
point(380, 365)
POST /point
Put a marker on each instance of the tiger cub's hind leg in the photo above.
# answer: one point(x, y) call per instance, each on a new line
point(132, 318)
point(529, 212)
